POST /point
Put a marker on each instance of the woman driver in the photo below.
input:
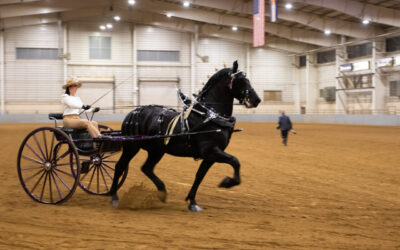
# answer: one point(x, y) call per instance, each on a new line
point(73, 107)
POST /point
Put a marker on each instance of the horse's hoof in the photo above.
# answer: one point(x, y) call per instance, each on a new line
point(115, 203)
point(115, 200)
point(194, 208)
point(162, 196)
point(228, 182)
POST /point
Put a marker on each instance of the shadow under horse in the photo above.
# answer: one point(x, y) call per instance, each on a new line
point(212, 110)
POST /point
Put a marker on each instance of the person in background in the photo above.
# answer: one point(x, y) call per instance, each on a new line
point(285, 125)
point(73, 107)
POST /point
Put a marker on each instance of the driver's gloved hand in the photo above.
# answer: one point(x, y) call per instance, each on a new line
point(86, 107)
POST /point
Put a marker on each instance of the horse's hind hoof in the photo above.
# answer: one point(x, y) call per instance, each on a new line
point(162, 196)
point(115, 200)
point(115, 203)
point(228, 182)
point(194, 208)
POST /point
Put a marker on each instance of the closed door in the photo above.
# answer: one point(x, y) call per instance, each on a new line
point(159, 93)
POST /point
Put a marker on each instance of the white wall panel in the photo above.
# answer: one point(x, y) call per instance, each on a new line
point(78, 42)
point(151, 38)
point(218, 51)
point(272, 70)
point(119, 66)
point(32, 80)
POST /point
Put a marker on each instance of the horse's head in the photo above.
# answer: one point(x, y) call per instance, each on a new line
point(242, 89)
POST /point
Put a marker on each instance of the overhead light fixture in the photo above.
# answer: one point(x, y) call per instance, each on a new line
point(102, 27)
point(186, 4)
point(365, 21)
point(109, 26)
point(234, 28)
point(288, 6)
point(169, 15)
point(131, 2)
point(117, 18)
point(327, 32)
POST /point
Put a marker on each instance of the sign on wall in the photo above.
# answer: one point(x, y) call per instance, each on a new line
point(385, 62)
point(364, 65)
point(346, 67)
point(396, 61)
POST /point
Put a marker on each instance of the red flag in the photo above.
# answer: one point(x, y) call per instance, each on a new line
point(258, 23)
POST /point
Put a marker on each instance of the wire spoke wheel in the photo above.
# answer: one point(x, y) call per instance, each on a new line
point(48, 165)
point(98, 170)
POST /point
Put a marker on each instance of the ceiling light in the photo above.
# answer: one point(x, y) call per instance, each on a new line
point(365, 21)
point(131, 2)
point(234, 28)
point(327, 32)
point(102, 27)
point(186, 4)
point(109, 26)
point(117, 18)
point(169, 15)
point(288, 6)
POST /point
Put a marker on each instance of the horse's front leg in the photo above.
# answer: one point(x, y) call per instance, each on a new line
point(201, 172)
point(222, 157)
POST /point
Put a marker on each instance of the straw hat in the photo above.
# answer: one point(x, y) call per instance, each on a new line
point(72, 82)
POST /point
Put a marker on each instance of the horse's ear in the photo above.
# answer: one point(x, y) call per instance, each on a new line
point(235, 67)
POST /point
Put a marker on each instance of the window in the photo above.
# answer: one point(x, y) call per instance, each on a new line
point(321, 92)
point(272, 95)
point(37, 53)
point(394, 88)
point(158, 55)
point(99, 47)
point(326, 56)
point(302, 61)
point(359, 50)
point(393, 44)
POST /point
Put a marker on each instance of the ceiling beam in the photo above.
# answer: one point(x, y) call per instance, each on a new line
point(158, 20)
point(373, 13)
point(301, 35)
point(337, 26)
point(4, 2)
point(55, 6)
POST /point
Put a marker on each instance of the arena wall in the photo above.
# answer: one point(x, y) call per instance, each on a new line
point(34, 86)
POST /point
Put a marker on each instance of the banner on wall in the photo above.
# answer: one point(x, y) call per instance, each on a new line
point(385, 62)
point(364, 65)
point(346, 67)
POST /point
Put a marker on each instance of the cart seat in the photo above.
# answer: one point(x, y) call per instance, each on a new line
point(56, 116)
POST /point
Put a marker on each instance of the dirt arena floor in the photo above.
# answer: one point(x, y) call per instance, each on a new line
point(332, 187)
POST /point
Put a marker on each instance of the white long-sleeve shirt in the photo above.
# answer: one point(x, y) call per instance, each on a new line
point(72, 104)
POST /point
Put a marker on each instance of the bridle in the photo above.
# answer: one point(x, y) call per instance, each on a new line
point(244, 97)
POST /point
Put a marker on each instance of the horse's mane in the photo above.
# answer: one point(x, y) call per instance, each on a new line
point(214, 79)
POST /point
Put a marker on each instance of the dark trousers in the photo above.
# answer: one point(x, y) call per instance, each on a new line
point(284, 134)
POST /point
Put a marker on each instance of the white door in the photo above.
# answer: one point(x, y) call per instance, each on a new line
point(160, 93)
point(90, 92)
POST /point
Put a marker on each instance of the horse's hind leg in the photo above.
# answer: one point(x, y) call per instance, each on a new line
point(148, 169)
point(122, 165)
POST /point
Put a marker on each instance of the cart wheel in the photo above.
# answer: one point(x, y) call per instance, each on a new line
point(48, 165)
point(98, 170)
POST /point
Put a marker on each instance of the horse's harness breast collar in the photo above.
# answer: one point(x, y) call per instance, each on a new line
point(209, 115)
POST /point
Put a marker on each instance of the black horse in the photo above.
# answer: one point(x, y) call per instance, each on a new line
point(211, 111)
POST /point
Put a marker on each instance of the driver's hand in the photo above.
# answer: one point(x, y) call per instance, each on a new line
point(86, 107)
